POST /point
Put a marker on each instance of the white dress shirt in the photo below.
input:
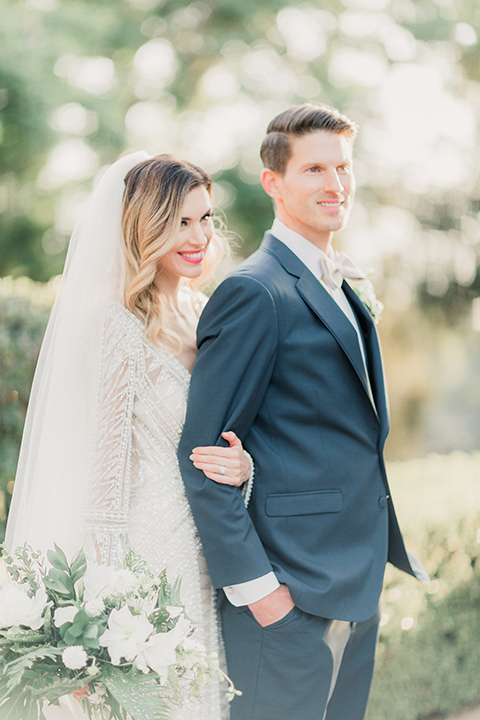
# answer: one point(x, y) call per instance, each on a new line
point(253, 590)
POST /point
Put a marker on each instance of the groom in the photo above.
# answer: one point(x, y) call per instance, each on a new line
point(289, 360)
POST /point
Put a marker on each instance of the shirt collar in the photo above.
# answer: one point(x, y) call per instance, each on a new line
point(305, 250)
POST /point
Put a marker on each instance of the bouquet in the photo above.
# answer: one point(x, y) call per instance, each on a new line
point(119, 641)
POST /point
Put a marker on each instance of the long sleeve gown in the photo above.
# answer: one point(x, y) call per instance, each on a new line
point(137, 497)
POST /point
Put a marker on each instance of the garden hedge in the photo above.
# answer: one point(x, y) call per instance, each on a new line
point(428, 662)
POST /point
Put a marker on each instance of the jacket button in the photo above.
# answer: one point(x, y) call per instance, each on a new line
point(382, 501)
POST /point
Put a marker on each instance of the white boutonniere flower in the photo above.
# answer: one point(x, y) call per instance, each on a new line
point(366, 293)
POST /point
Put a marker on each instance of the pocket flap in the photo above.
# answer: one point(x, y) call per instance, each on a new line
point(304, 503)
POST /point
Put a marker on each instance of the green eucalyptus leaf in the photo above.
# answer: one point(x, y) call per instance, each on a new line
point(91, 643)
point(63, 629)
point(79, 589)
point(78, 567)
point(61, 554)
point(58, 559)
point(90, 637)
point(62, 580)
point(56, 587)
point(72, 634)
point(92, 632)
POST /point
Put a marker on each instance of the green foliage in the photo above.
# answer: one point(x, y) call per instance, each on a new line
point(432, 669)
point(135, 695)
point(36, 660)
point(15, 670)
point(17, 706)
point(427, 264)
point(428, 656)
point(62, 577)
point(84, 627)
point(24, 310)
point(436, 669)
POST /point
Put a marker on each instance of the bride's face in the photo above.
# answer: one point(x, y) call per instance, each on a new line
point(186, 257)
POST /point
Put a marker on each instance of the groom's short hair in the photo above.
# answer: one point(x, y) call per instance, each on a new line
point(300, 120)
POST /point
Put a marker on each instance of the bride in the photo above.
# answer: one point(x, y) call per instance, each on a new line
point(98, 466)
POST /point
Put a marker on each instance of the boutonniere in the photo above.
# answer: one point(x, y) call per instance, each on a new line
point(366, 293)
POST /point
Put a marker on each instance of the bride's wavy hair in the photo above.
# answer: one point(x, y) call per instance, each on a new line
point(155, 191)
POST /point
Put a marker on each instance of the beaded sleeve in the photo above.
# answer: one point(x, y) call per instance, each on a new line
point(110, 482)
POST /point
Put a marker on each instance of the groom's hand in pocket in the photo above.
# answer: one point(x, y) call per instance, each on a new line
point(272, 607)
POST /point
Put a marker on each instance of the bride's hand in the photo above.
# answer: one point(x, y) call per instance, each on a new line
point(228, 466)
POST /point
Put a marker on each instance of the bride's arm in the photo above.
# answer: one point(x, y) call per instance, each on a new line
point(109, 480)
point(228, 465)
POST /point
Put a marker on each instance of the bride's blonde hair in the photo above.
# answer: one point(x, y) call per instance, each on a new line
point(155, 191)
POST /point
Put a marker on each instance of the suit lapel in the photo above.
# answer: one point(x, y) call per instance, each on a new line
point(374, 354)
point(324, 306)
point(334, 319)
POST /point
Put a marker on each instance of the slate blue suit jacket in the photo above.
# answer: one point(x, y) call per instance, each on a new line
point(280, 365)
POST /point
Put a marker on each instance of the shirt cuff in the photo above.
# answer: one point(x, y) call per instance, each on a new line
point(252, 590)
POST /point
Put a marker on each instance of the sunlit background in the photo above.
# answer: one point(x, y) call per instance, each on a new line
point(83, 81)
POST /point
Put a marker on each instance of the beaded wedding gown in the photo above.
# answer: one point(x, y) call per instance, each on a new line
point(137, 497)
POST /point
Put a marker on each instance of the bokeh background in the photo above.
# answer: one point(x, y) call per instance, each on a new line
point(82, 81)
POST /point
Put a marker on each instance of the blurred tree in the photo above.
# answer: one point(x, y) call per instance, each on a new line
point(24, 310)
point(82, 81)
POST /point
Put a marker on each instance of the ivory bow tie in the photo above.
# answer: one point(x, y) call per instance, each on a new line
point(337, 268)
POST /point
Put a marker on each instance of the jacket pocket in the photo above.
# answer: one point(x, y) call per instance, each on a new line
point(303, 503)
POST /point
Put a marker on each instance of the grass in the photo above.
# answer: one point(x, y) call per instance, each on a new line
point(429, 655)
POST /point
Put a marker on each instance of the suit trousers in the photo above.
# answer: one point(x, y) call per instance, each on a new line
point(302, 667)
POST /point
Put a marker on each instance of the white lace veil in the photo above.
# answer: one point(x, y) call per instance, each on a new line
point(52, 475)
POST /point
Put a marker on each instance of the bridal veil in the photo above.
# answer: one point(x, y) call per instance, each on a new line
point(56, 451)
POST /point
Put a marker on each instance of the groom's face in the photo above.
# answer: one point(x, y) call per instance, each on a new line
point(315, 194)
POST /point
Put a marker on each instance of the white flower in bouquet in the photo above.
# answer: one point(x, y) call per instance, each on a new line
point(193, 652)
point(181, 629)
point(192, 645)
point(160, 650)
point(157, 654)
point(18, 608)
point(97, 697)
point(94, 608)
point(147, 666)
point(144, 605)
point(97, 580)
point(125, 635)
point(64, 615)
point(174, 610)
point(122, 582)
point(74, 657)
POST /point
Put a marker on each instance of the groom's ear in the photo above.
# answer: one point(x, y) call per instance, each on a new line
point(269, 179)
